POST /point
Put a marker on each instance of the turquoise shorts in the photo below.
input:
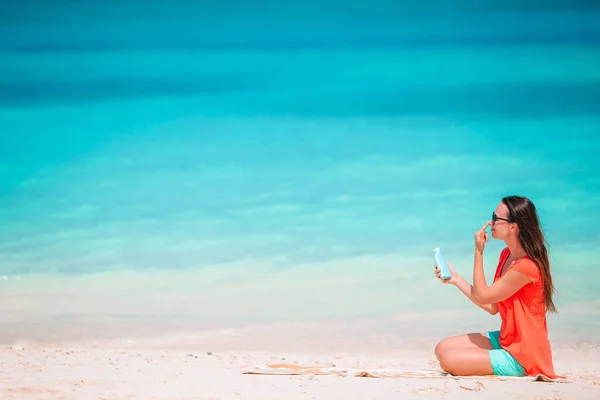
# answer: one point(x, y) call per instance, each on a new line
point(503, 363)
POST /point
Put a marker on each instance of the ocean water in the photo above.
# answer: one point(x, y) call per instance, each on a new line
point(244, 161)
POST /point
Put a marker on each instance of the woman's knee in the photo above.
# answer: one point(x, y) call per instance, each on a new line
point(441, 348)
point(448, 351)
point(459, 361)
point(445, 358)
point(467, 341)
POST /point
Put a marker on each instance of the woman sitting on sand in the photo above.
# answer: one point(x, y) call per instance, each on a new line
point(521, 292)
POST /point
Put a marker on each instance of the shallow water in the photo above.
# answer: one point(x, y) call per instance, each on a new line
point(219, 163)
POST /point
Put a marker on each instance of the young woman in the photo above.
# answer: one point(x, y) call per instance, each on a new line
point(522, 292)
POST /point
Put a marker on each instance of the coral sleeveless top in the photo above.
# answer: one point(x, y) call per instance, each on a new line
point(524, 332)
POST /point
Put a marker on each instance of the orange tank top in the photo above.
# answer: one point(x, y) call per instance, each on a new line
point(524, 332)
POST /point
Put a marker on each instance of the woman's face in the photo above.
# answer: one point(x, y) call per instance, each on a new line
point(501, 227)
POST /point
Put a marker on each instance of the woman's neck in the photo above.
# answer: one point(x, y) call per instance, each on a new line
point(516, 250)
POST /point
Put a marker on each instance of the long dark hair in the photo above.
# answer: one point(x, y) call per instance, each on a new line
point(522, 211)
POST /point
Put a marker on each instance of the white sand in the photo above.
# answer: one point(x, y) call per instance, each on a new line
point(207, 363)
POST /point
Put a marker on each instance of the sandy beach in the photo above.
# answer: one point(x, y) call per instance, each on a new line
point(208, 363)
point(191, 336)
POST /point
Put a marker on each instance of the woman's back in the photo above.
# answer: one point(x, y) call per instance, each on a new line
point(524, 331)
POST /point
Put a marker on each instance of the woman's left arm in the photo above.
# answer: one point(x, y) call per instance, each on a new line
point(504, 287)
point(500, 290)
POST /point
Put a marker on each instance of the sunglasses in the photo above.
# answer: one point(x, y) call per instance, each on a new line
point(496, 218)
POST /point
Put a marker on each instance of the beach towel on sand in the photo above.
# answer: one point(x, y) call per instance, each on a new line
point(293, 369)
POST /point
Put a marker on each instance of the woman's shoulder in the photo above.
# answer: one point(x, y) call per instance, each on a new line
point(527, 266)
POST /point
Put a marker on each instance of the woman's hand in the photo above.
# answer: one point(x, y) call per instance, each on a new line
point(481, 237)
point(452, 280)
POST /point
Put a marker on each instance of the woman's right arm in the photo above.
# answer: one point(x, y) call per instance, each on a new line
point(465, 287)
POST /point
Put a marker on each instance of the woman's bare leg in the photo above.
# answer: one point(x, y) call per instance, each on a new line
point(465, 355)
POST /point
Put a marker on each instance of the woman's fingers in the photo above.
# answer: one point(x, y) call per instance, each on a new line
point(482, 233)
point(489, 223)
point(438, 273)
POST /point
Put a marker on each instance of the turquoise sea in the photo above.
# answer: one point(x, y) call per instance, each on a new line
point(268, 160)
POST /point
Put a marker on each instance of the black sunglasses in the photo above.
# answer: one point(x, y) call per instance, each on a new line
point(496, 218)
